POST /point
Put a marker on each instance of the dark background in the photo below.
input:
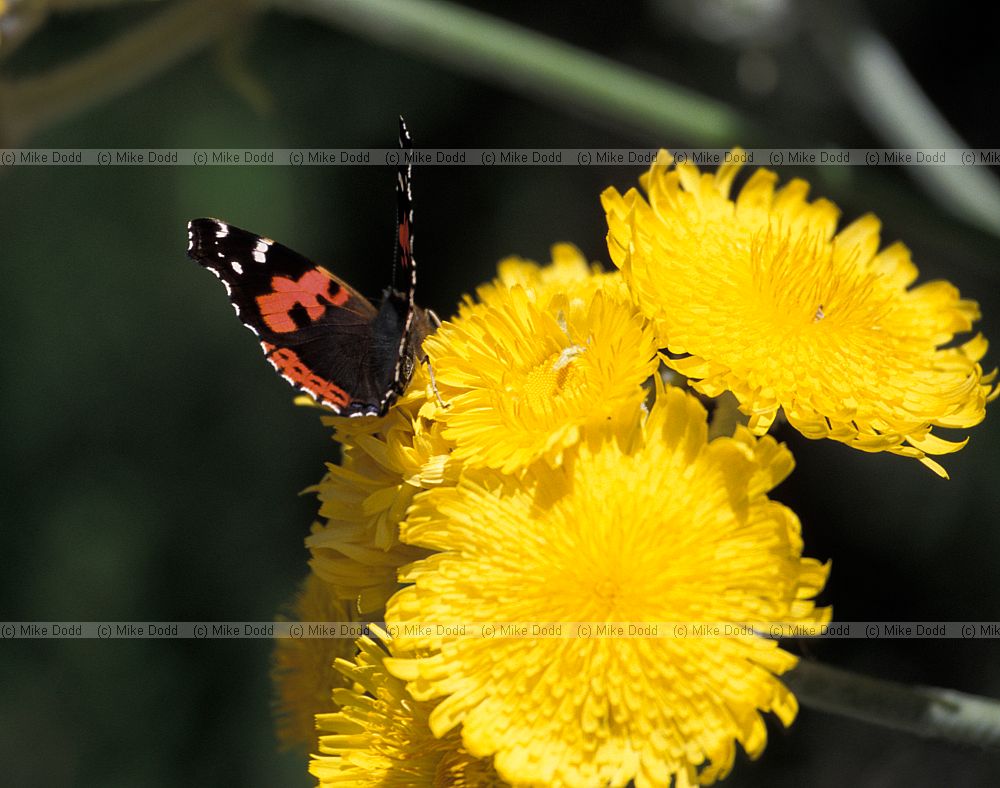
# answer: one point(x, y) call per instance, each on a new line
point(151, 461)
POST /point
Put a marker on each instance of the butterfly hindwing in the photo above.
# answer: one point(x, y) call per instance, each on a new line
point(407, 277)
point(415, 323)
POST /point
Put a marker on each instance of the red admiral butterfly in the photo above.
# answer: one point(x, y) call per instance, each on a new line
point(318, 332)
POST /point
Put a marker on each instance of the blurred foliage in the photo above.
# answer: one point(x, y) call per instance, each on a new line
point(151, 460)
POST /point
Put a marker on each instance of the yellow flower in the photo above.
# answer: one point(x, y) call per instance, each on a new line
point(761, 296)
point(303, 672)
point(658, 526)
point(380, 735)
point(386, 461)
point(524, 372)
point(568, 275)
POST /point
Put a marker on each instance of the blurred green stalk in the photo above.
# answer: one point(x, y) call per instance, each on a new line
point(888, 96)
point(931, 712)
point(535, 64)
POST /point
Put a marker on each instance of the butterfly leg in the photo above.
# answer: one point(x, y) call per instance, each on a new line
point(435, 322)
point(434, 388)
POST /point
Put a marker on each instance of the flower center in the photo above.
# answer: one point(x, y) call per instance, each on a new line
point(607, 591)
point(554, 377)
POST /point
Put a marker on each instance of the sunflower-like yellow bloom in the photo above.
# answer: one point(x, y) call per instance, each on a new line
point(386, 461)
point(547, 352)
point(659, 525)
point(380, 736)
point(761, 295)
point(303, 676)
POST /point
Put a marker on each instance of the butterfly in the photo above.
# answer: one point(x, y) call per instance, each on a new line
point(318, 332)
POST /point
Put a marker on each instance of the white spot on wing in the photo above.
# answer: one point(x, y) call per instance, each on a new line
point(221, 230)
point(236, 267)
point(260, 250)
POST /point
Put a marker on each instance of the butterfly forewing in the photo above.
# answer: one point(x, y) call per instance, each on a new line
point(322, 336)
point(310, 323)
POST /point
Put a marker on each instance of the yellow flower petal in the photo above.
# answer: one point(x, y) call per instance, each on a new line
point(569, 275)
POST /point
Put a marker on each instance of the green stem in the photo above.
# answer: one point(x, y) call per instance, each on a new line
point(926, 711)
point(536, 64)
